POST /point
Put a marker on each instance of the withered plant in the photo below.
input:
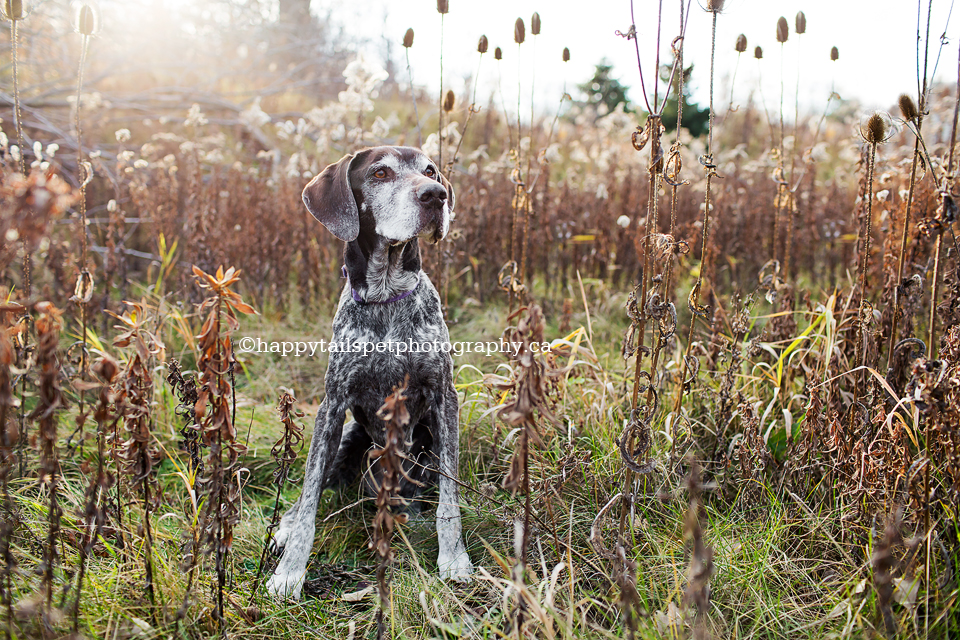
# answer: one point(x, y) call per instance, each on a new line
point(284, 453)
point(137, 453)
point(390, 461)
point(697, 594)
point(49, 403)
point(214, 412)
point(94, 515)
point(8, 439)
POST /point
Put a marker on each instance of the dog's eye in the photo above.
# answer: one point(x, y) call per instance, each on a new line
point(380, 174)
point(430, 172)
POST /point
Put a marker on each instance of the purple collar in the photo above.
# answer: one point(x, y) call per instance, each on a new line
point(396, 298)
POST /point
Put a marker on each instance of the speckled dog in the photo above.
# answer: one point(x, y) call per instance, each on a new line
point(380, 202)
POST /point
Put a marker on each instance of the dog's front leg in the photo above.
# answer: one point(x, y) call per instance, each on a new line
point(298, 531)
point(453, 561)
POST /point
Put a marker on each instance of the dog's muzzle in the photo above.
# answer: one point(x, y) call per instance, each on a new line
point(433, 199)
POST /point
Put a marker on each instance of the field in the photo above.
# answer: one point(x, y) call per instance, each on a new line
point(747, 424)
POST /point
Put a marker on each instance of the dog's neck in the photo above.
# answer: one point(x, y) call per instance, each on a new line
point(379, 271)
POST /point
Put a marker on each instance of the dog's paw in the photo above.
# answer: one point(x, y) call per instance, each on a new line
point(286, 584)
point(455, 567)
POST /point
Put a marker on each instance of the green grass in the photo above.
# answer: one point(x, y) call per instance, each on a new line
point(778, 574)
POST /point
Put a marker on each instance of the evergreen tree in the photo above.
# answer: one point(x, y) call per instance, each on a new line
point(604, 89)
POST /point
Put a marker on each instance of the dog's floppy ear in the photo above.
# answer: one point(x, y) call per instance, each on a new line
point(329, 197)
point(451, 198)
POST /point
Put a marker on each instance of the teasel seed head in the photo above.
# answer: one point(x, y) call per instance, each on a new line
point(519, 31)
point(741, 45)
point(566, 54)
point(758, 53)
point(876, 131)
point(715, 6)
point(86, 20)
point(443, 6)
point(13, 10)
point(408, 38)
point(834, 54)
point(498, 54)
point(448, 101)
point(783, 31)
point(801, 23)
point(907, 108)
point(483, 44)
point(535, 24)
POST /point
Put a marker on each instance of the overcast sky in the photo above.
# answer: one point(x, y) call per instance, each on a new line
point(876, 40)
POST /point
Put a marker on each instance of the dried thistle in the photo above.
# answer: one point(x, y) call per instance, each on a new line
point(715, 6)
point(483, 44)
point(566, 54)
point(390, 459)
point(801, 23)
point(519, 31)
point(741, 44)
point(87, 23)
point(908, 109)
point(876, 129)
point(834, 54)
point(783, 31)
point(758, 53)
point(497, 54)
point(408, 39)
point(443, 6)
point(448, 101)
point(535, 24)
point(12, 10)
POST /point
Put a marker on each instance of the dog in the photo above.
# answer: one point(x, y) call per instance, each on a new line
point(381, 201)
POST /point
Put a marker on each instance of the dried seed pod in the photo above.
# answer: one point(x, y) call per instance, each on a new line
point(443, 6)
point(13, 10)
point(715, 6)
point(907, 108)
point(535, 24)
point(876, 130)
point(498, 54)
point(801, 23)
point(519, 31)
point(741, 45)
point(566, 54)
point(758, 53)
point(448, 101)
point(483, 44)
point(86, 20)
point(408, 38)
point(83, 290)
point(783, 31)
point(834, 54)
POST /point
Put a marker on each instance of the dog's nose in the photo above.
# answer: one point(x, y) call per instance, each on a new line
point(432, 193)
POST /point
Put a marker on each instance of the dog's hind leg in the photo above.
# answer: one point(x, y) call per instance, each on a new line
point(298, 530)
point(453, 561)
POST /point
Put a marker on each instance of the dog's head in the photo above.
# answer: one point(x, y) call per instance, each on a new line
point(394, 192)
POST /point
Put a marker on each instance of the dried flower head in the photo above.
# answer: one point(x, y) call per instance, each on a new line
point(519, 31)
point(877, 128)
point(443, 6)
point(535, 24)
point(715, 6)
point(498, 54)
point(408, 38)
point(12, 9)
point(483, 44)
point(907, 108)
point(448, 101)
point(87, 23)
point(834, 54)
point(782, 30)
point(758, 53)
point(801, 23)
point(741, 45)
point(566, 54)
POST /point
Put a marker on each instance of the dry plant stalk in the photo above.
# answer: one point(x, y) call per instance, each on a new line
point(390, 460)
point(8, 439)
point(94, 516)
point(49, 402)
point(697, 594)
point(284, 453)
point(137, 453)
point(214, 413)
